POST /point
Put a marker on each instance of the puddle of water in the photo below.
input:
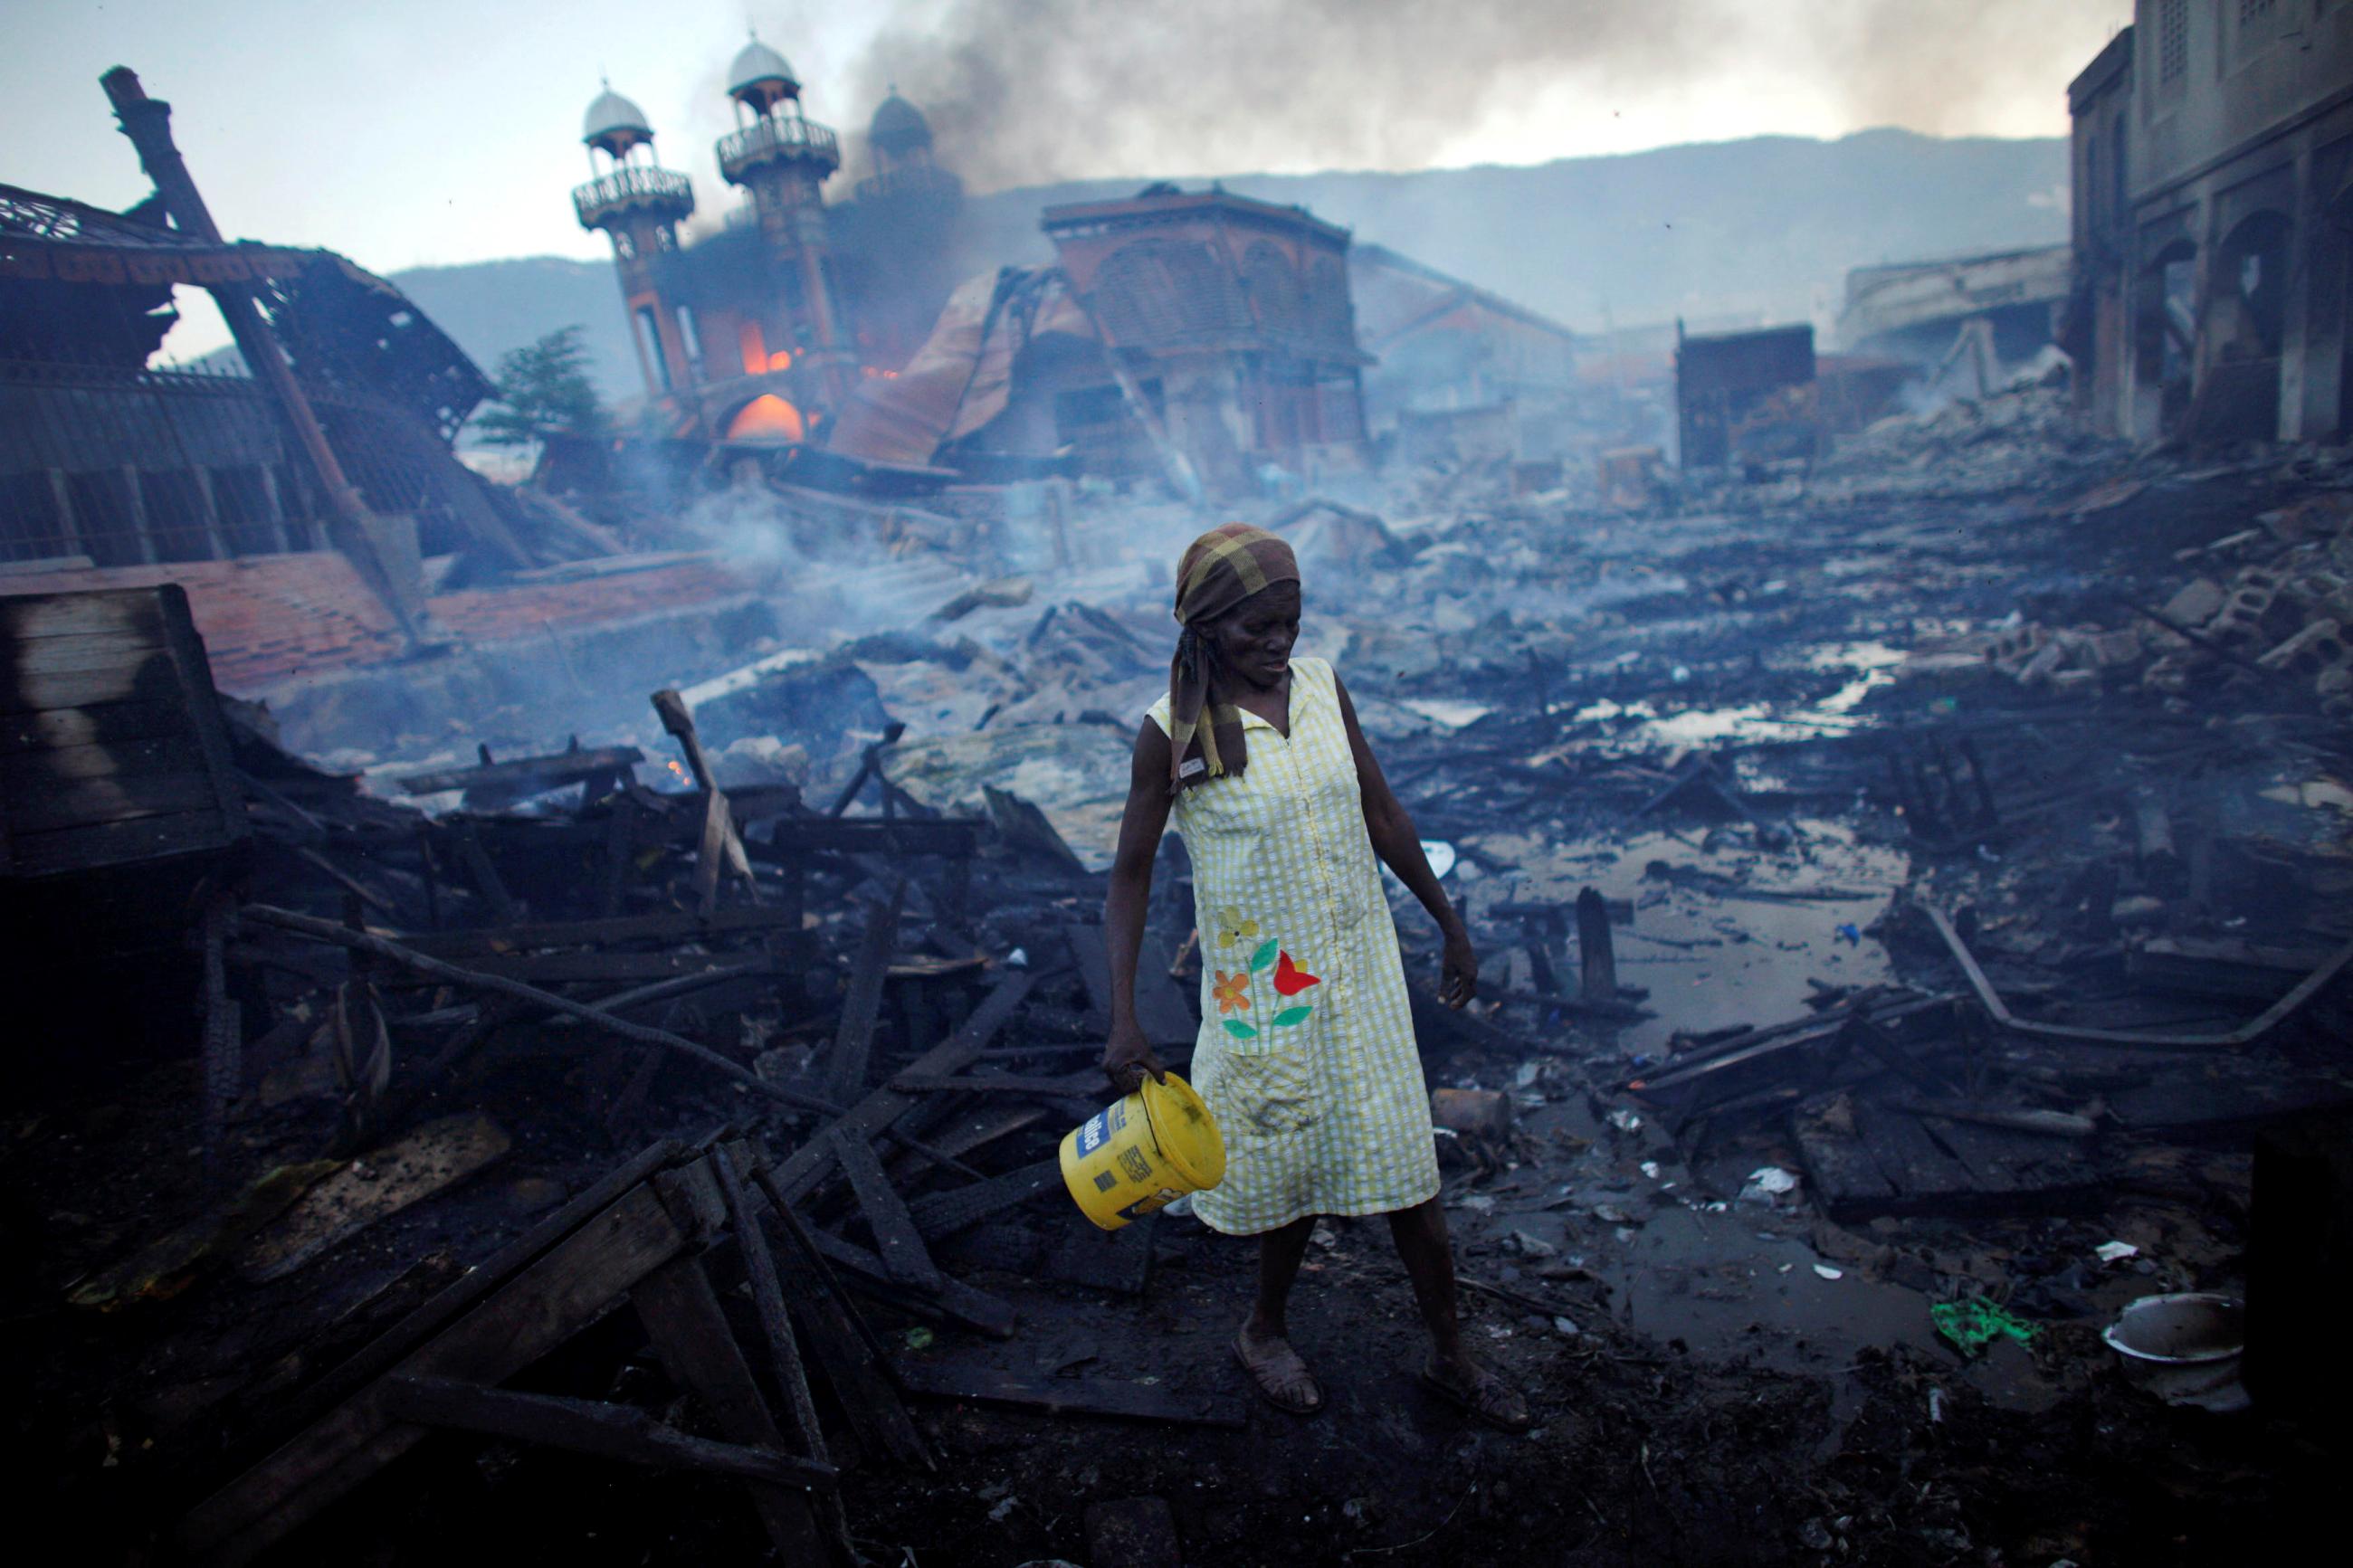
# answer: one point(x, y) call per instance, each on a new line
point(1727, 1289)
point(1854, 655)
point(1751, 721)
point(2317, 794)
point(1445, 710)
point(1713, 961)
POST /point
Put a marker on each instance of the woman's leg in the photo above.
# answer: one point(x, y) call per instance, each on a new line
point(1429, 1257)
point(1264, 1343)
point(1422, 1241)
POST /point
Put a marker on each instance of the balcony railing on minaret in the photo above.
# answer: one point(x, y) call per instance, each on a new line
point(634, 187)
point(778, 141)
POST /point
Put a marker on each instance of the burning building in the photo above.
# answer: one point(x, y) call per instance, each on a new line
point(2213, 195)
point(1199, 335)
point(758, 332)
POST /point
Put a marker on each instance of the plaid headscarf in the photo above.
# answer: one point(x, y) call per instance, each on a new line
point(1220, 569)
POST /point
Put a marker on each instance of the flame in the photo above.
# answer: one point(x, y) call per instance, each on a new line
point(674, 768)
point(766, 418)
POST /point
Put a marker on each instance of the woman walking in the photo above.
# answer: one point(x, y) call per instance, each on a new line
point(1306, 1053)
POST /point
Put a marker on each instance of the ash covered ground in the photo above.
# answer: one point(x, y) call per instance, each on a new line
point(1888, 773)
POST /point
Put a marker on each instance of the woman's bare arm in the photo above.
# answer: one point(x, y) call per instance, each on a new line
point(1399, 844)
point(1128, 1054)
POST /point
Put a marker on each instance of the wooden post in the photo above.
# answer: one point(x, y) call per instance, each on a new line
point(1595, 953)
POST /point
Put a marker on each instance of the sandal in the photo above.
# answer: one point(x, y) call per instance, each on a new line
point(1280, 1376)
point(1488, 1398)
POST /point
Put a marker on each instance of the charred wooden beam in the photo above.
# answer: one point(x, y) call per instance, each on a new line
point(591, 1427)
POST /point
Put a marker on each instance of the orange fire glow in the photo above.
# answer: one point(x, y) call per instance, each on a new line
point(781, 360)
point(767, 418)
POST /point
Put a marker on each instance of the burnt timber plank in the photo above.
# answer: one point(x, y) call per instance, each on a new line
point(1924, 1177)
point(945, 1213)
point(100, 724)
point(1070, 1396)
point(146, 676)
point(154, 757)
point(486, 879)
point(794, 835)
point(606, 1430)
point(1846, 1182)
point(689, 1333)
point(564, 968)
point(117, 843)
point(798, 1175)
point(1084, 1081)
point(570, 1287)
point(957, 1302)
point(2026, 1167)
point(895, 1237)
point(90, 802)
point(128, 613)
point(534, 774)
point(57, 656)
point(775, 1325)
point(381, 1353)
point(1160, 1011)
point(853, 1044)
point(846, 1348)
point(984, 1125)
point(130, 668)
point(676, 927)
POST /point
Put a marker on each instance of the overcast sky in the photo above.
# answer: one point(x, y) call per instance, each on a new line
point(431, 132)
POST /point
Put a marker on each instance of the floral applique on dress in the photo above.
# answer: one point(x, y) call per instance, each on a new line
point(1232, 992)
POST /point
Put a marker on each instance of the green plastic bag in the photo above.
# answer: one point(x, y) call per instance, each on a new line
point(1976, 1322)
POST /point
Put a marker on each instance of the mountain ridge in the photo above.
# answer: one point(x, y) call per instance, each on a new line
point(1762, 228)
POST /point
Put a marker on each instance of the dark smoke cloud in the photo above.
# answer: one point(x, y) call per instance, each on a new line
point(1023, 92)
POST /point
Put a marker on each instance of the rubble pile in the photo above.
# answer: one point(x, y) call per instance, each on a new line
point(1909, 893)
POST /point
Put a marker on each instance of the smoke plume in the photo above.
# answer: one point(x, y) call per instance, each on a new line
point(1026, 92)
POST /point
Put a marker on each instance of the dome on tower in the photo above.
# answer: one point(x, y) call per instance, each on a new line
point(760, 76)
point(613, 119)
point(898, 127)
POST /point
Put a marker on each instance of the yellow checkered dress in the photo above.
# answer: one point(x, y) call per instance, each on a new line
point(1307, 1052)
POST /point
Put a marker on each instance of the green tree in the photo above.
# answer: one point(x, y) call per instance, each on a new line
point(544, 389)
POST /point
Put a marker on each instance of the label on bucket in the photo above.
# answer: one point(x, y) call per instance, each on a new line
point(1153, 1205)
point(1132, 1161)
point(1092, 1135)
point(1118, 1114)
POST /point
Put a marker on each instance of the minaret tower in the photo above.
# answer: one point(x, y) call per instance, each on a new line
point(783, 159)
point(638, 203)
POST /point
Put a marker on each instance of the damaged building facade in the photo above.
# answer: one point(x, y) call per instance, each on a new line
point(336, 441)
point(759, 332)
point(1194, 336)
point(2213, 221)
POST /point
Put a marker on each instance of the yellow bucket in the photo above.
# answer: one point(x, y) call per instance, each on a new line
point(1143, 1153)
